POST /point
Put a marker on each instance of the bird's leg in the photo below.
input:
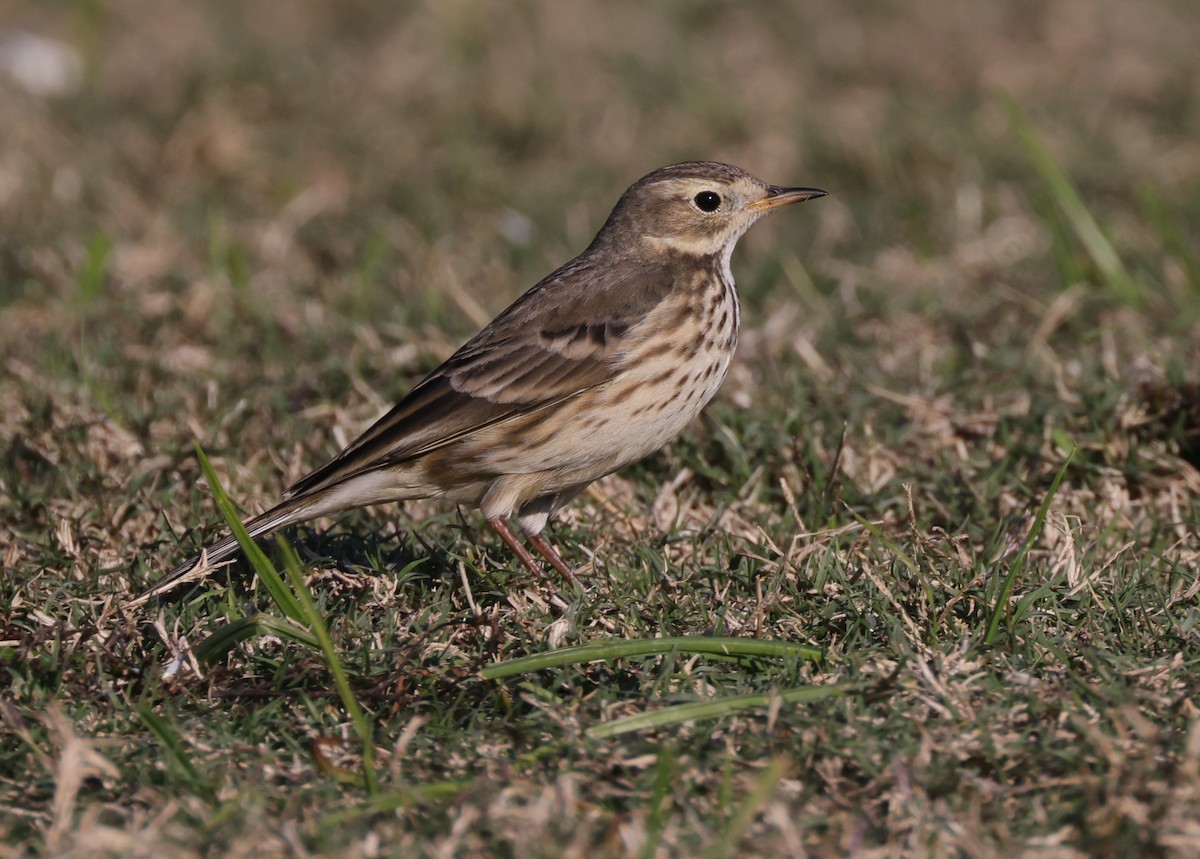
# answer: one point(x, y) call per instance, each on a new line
point(508, 536)
point(546, 550)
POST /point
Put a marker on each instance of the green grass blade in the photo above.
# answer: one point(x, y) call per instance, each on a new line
point(891, 545)
point(764, 787)
point(271, 580)
point(993, 624)
point(173, 745)
point(93, 273)
point(416, 794)
point(1172, 239)
point(299, 607)
point(715, 709)
point(229, 635)
point(225, 258)
point(362, 725)
point(900, 555)
point(1093, 239)
point(664, 776)
point(618, 648)
point(390, 801)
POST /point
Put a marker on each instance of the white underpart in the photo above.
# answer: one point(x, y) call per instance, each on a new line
point(371, 487)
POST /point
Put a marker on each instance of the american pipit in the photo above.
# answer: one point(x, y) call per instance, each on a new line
point(598, 365)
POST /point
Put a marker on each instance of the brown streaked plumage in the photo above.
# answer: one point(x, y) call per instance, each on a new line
point(596, 366)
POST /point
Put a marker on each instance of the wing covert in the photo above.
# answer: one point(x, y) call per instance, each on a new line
point(546, 347)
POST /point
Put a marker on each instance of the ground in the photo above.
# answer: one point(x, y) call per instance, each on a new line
point(957, 454)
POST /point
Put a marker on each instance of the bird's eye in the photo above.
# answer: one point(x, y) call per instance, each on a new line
point(707, 201)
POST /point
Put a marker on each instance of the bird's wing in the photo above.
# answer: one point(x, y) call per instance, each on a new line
point(559, 339)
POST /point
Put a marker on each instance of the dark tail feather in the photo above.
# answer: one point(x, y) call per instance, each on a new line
point(279, 516)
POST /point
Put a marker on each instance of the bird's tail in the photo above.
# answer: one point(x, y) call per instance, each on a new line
point(288, 513)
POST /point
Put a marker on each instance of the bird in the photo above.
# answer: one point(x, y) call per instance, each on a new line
point(596, 366)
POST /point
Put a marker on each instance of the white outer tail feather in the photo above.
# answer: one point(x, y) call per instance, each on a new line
point(280, 516)
point(361, 490)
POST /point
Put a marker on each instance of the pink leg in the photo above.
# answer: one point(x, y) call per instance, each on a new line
point(506, 534)
point(546, 550)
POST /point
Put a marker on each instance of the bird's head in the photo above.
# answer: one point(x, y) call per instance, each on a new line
point(697, 208)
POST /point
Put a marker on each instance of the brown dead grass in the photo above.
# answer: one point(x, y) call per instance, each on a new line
point(311, 203)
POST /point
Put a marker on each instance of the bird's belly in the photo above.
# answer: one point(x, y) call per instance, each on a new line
point(601, 430)
point(665, 380)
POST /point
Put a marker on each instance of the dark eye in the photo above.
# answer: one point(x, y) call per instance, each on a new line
point(707, 201)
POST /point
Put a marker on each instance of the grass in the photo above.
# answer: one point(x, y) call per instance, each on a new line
point(871, 603)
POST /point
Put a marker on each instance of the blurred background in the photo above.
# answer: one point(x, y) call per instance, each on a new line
point(390, 161)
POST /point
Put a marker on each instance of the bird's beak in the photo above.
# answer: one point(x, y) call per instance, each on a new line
point(778, 196)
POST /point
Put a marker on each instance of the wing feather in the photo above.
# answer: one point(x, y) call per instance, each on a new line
point(562, 337)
